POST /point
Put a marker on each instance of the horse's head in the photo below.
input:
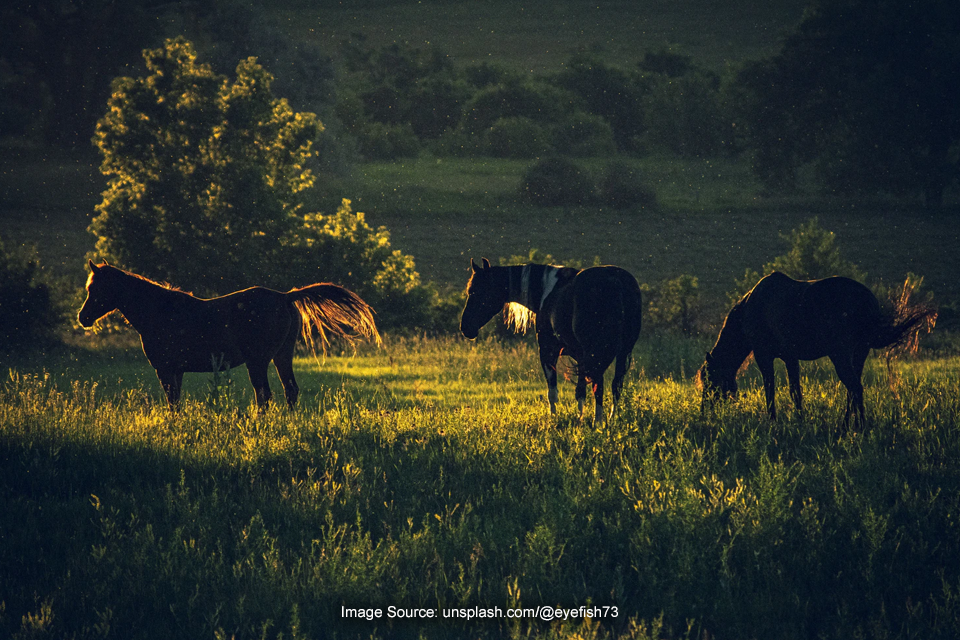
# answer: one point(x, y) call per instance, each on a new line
point(101, 295)
point(716, 382)
point(484, 299)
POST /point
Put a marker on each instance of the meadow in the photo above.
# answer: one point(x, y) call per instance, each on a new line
point(429, 475)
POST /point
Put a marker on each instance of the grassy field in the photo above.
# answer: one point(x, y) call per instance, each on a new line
point(429, 475)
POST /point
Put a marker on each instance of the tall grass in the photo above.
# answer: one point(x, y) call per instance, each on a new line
point(429, 475)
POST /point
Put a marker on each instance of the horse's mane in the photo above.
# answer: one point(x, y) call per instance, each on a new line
point(518, 318)
point(137, 276)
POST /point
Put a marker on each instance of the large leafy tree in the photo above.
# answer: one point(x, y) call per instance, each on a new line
point(865, 92)
point(203, 171)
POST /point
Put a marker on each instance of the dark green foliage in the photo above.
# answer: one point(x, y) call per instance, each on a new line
point(684, 114)
point(436, 105)
point(203, 173)
point(28, 315)
point(622, 186)
point(673, 305)
point(813, 254)
point(865, 92)
point(584, 135)
point(557, 181)
point(609, 92)
point(539, 102)
point(667, 63)
point(382, 142)
point(517, 137)
point(58, 61)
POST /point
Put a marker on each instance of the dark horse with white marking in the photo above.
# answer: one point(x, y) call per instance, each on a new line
point(182, 333)
point(591, 315)
point(803, 320)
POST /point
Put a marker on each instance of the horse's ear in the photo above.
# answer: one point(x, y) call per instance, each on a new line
point(486, 263)
point(473, 265)
point(93, 268)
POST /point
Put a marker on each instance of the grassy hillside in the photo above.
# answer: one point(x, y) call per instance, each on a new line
point(540, 36)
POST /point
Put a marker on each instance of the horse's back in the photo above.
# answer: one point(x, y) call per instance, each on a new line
point(810, 319)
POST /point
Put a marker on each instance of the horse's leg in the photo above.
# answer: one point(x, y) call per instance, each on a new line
point(580, 391)
point(849, 369)
point(283, 361)
point(597, 397)
point(793, 376)
point(261, 384)
point(549, 354)
point(284, 365)
point(765, 364)
point(619, 371)
point(172, 382)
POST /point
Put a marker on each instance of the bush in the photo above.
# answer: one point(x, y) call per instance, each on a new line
point(379, 141)
point(584, 135)
point(673, 305)
point(621, 186)
point(813, 254)
point(516, 138)
point(556, 181)
point(28, 315)
point(541, 103)
point(343, 248)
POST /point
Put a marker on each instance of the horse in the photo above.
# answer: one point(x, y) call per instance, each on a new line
point(183, 333)
point(591, 315)
point(797, 320)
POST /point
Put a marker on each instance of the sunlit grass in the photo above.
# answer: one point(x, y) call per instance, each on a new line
point(429, 473)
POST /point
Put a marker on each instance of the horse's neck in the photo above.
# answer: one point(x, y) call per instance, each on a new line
point(530, 284)
point(140, 301)
point(732, 346)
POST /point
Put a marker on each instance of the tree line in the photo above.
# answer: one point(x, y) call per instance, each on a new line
point(862, 94)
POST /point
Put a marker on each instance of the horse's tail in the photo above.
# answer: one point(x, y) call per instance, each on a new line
point(331, 309)
point(904, 330)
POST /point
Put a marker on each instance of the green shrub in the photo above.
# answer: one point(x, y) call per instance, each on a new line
point(27, 313)
point(673, 305)
point(557, 181)
point(621, 186)
point(379, 141)
point(541, 103)
point(813, 254)
point(584, 135)
point(516, 138)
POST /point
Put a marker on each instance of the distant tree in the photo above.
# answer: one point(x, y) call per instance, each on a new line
point(57, 60)
point(609, 92)
point(865, 92)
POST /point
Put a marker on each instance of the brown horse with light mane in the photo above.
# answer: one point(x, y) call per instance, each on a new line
point(182, 333)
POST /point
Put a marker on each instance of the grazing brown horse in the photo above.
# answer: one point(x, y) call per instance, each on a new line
point(803, 320)
point(182, 333)
point(591, 315)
